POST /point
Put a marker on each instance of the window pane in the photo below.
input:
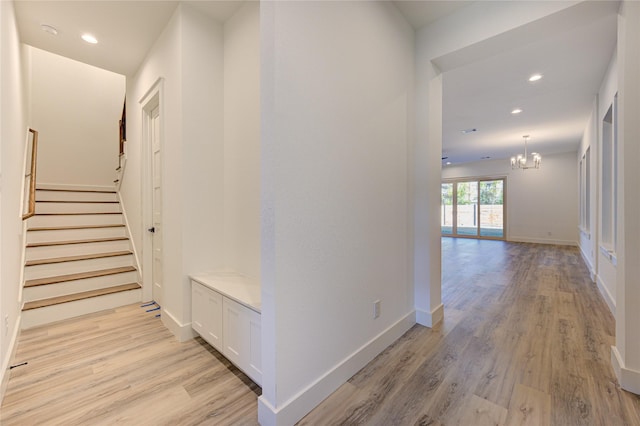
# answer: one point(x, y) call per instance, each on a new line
point(467, 208)
point(492, 208)
point(446, 214)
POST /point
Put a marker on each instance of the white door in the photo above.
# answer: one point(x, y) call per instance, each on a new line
point(156, 203)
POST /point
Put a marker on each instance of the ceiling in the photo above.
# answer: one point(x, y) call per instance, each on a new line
point(480, 94)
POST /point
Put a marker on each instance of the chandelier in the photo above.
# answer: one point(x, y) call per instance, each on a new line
point(520, 162)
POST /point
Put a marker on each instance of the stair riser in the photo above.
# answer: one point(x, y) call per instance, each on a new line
point(74, 234)
point(48, 252)
point(77, 266)
point(77, 207)
point(75, 220)
point(42, 195)
point(49, 314)
point(39, 292)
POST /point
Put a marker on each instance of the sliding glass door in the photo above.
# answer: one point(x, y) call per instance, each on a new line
point(473, 208)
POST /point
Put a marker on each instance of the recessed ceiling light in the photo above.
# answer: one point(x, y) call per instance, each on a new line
point(448, 163)
point(467, 131)
point(89, 38)
point(49, 29)
point(535, 77)
point(516, 111)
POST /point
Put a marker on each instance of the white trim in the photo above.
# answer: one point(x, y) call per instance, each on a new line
point(628, 379)
point(611, 301)
point(585, 232)
point(13, 345)
point(127, 229)
point(429, 319)
point(542, 241)
point(610, 255)
point(298, 406)
point(68, 187)
point(183, 332)
point(587, 262)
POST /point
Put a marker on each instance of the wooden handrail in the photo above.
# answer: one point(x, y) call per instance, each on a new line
point(32, 175)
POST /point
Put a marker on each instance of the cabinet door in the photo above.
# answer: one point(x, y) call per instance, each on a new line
point(235, 333)
point(242, 338)
point(255, 347)
point(206, 314)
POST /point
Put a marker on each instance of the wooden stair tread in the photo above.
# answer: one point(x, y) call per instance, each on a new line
point(78, 276)
point(74, 214)
point(61, 243)
point(60, 228)
point(79, 296)
point(79, 257)
point(98, 191)
point(78, 201)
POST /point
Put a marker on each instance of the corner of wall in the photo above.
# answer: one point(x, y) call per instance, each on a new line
point(628, 379)
point(297, 407)
point(182, 332)
point(429, 319)
point(5, 371)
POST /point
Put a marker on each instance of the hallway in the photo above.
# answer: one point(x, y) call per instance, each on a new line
point(526, 340)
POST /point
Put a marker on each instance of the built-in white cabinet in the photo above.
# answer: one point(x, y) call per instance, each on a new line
point(225, 312)
point(206, 314)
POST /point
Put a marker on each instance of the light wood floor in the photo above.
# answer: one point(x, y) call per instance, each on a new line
point(123, 367)
point(526, 341)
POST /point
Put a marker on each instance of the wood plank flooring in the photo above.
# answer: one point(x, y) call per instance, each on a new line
point(525, 341)
point(123, 366)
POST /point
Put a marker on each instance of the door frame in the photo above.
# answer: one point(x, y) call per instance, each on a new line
point(478, 179)
point(150, 100)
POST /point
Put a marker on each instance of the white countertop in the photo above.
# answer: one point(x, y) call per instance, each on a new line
point(232, 285)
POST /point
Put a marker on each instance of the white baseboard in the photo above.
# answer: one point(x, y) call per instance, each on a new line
point(606, 295)
point(629, 379)
point(183, 332)
point(587, 262)
point(13, 345)
point(429, 319)
point(65, 186)
point(297, 407)
point(542, 241)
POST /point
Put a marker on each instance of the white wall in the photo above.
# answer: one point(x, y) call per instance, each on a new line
point(75, 107)
point(625, 354)
point(541, 205)
point(188, 58)
point(242, 141)
point(337, 83)
point(13, 136)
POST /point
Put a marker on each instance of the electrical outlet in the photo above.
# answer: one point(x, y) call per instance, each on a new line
point(376, 309)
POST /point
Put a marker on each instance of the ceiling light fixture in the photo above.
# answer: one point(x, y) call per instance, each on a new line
point(49, 29)
point(520, 162)
point(448, 163)
point(516, 111)
point(89, 38)
point(535, 77)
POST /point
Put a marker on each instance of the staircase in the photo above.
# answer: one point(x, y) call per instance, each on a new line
point(78, 257)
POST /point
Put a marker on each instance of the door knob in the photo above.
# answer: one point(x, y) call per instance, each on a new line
point(152, 229)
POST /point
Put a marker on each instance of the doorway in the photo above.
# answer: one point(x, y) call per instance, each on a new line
point(152, 136)
point(473, 208)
